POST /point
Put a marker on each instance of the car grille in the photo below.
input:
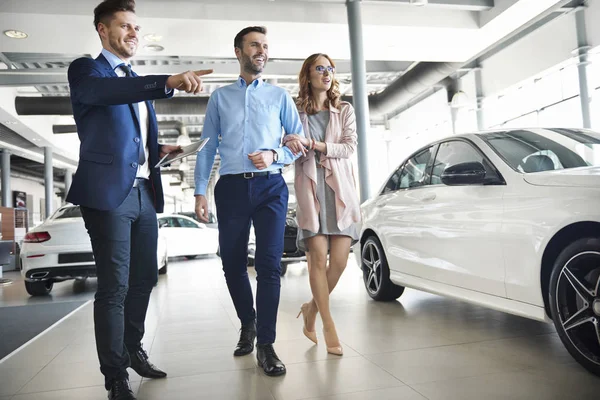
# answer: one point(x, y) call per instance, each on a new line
point(70, 258)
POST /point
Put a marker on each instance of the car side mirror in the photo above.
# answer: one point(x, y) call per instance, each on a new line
point(469, 173)
point(162, 224)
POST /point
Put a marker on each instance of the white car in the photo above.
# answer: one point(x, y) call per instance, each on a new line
point(60, 249)
point(505, 219)
point(187, 237)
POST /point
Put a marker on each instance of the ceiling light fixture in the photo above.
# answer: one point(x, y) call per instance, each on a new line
point(154, 47)
point(153, 37)
point(14, 34)
point(459, 100)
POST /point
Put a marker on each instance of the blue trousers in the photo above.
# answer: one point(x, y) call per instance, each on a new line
point(263, 201)
point(124, 243)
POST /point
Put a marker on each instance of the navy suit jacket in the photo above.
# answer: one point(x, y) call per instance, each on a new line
point(110, 134)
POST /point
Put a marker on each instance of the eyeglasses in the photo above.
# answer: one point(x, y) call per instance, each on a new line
point(321, 69)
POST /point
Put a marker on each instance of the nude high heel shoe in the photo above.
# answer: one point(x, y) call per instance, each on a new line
point(312, 336)
point(331, 337)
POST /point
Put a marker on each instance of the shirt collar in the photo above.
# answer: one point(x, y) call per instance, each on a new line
point(112, 59)
point(256, 83)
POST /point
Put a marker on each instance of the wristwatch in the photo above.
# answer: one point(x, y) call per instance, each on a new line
point(275, 156)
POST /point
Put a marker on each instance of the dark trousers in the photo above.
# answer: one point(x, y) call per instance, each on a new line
point(263, 201)
point(124, 242)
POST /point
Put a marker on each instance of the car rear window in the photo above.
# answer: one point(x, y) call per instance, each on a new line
point(68, 212)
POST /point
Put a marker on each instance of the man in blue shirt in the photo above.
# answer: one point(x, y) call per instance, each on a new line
point(244, 120)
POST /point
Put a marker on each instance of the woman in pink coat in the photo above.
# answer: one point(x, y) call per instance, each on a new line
point(328, 206)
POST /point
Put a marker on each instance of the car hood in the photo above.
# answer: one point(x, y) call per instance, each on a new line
point(572, 177)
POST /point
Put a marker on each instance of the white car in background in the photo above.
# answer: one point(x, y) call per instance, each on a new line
point(60, 249)
point(187, 237)
point(506, 219)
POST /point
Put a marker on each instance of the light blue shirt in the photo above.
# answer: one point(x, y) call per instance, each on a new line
point(113, 60)
point(242, 119)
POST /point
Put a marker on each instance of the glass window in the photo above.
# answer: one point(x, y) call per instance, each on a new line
point(186, 223)
point(566, 114)
point(414, 173)
point(450, 154)
point(167, 223)
point(551, 149)
point(68, 212)
point(393, 183)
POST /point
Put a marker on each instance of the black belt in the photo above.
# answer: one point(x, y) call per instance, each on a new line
point(250, 175)
point(139, 181)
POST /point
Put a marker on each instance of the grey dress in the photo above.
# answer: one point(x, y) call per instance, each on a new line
point(317, 124)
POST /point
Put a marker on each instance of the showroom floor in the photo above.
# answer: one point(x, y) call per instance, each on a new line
point(422, 347)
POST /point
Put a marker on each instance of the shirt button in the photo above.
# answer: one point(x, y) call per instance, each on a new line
point(134, 165)
point(137, 140)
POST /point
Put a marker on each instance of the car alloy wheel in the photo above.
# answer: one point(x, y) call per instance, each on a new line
point(376, 272)
point(575, 301)
point(578, 303)
point(371, 259)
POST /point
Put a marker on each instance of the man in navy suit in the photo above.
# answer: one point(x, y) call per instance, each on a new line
point(118, 189)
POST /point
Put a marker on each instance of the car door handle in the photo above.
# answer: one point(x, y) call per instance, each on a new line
point(382, 203)
point(428, 197)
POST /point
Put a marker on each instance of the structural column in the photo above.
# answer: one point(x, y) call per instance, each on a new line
point(359, 88)
point(6, 191)
point(479, 94)
point(48, 180)
point(68, 181)
point(582, 53)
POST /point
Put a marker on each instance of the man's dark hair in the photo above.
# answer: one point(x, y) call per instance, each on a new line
point(239, 38)
point(107, 9)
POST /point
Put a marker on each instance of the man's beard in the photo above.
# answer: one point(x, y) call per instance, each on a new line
point(250, 67)
point(123, 49)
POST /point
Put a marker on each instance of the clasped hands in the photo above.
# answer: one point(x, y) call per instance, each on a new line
point(296, 143)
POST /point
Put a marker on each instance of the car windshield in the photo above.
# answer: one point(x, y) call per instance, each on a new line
point(527, 151)
point(68, 212)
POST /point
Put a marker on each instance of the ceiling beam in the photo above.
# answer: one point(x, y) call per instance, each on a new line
point(6, 61)
point(463, 5)
point(275, 70)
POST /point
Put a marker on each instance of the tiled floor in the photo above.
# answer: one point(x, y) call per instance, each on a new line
point(422, 347)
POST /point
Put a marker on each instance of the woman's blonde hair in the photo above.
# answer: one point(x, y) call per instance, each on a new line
point(305, 101)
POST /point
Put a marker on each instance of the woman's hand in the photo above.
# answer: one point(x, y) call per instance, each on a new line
point(292, 136)
point(295, 145)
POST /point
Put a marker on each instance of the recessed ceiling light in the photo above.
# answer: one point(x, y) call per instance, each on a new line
point(152, 37)
point(14, 34)
point(154, 47)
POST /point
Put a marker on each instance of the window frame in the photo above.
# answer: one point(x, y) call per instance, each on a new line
point(433, 149)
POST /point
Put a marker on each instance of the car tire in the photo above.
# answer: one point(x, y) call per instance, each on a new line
point(376, 272)
point(18, 262)
point(251, 261)
point(163, 270)
point(284, 268)
point(575, 301)
point(39, 288)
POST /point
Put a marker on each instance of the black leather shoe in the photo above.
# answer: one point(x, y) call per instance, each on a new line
point(120, 390)
point(143, 367)
point(247, 338)
point(268, 360)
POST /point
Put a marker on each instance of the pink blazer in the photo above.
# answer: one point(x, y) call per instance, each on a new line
point(340, 138)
